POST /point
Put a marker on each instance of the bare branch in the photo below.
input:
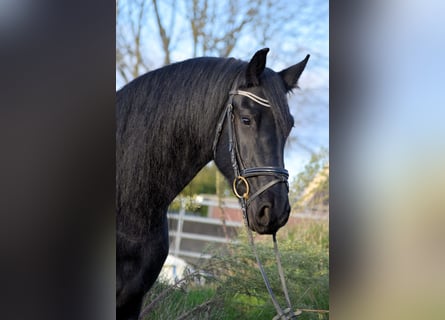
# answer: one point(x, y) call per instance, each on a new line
point(165, 38)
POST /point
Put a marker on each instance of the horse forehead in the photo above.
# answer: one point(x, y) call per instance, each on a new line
point(277, 100)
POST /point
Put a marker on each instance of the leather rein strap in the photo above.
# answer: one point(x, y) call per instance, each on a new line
point(241, 176)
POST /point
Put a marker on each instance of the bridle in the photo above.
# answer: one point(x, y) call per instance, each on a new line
point(241, 176)
point(281, 176)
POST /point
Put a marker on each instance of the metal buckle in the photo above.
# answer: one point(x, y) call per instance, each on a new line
point(245, 194)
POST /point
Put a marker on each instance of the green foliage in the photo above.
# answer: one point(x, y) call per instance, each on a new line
point(234, 288)
point(301, 188)
point(204, 183)
point(208, 181)
point(189, 204)
point(180, 302)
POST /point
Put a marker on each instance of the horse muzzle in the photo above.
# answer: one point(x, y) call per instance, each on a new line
point(266, 206)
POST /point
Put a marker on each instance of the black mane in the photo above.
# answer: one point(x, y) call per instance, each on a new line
point(178, 91)
point(158, 109)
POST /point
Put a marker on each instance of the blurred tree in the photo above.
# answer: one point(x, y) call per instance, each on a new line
point(216, 25)
point(310, 189)
point(178, 28)
point(131, 20)
point(165, 29)
point(204, 182)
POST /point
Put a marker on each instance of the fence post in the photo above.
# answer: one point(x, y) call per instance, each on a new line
point(179, 228)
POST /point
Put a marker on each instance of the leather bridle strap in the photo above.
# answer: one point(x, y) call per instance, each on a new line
point(261, 190)
point(281, 174)
point(254, 97)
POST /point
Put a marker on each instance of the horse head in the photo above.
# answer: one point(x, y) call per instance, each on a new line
point(250, 139)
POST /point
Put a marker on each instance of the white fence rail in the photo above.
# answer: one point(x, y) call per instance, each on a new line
point(189, 234)
point(200, 223)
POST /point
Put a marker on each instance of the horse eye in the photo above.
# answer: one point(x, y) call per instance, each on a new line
point(245, 120)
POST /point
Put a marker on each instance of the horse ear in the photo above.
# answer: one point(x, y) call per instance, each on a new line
point(256, 67)
point(291, 75)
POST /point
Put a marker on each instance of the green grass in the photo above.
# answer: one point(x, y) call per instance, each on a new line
point(235, 289)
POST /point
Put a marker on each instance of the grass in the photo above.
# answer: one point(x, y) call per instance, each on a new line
point(234, 288)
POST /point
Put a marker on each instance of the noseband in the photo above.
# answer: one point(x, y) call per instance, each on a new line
point(241, 176)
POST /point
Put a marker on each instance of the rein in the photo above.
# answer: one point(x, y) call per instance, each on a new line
point(241, 177)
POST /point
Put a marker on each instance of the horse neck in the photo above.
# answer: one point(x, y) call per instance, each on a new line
point(187, 148)
point(155, 164)
point(163, 140)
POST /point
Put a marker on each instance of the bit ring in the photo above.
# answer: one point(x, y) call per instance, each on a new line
point(245, 195)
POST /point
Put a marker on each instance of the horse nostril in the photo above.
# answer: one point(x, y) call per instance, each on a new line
point(264, 215)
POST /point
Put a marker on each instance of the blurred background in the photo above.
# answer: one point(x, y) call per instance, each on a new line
point(388, 156)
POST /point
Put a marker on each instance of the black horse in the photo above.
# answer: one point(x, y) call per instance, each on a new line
point(167, 130)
